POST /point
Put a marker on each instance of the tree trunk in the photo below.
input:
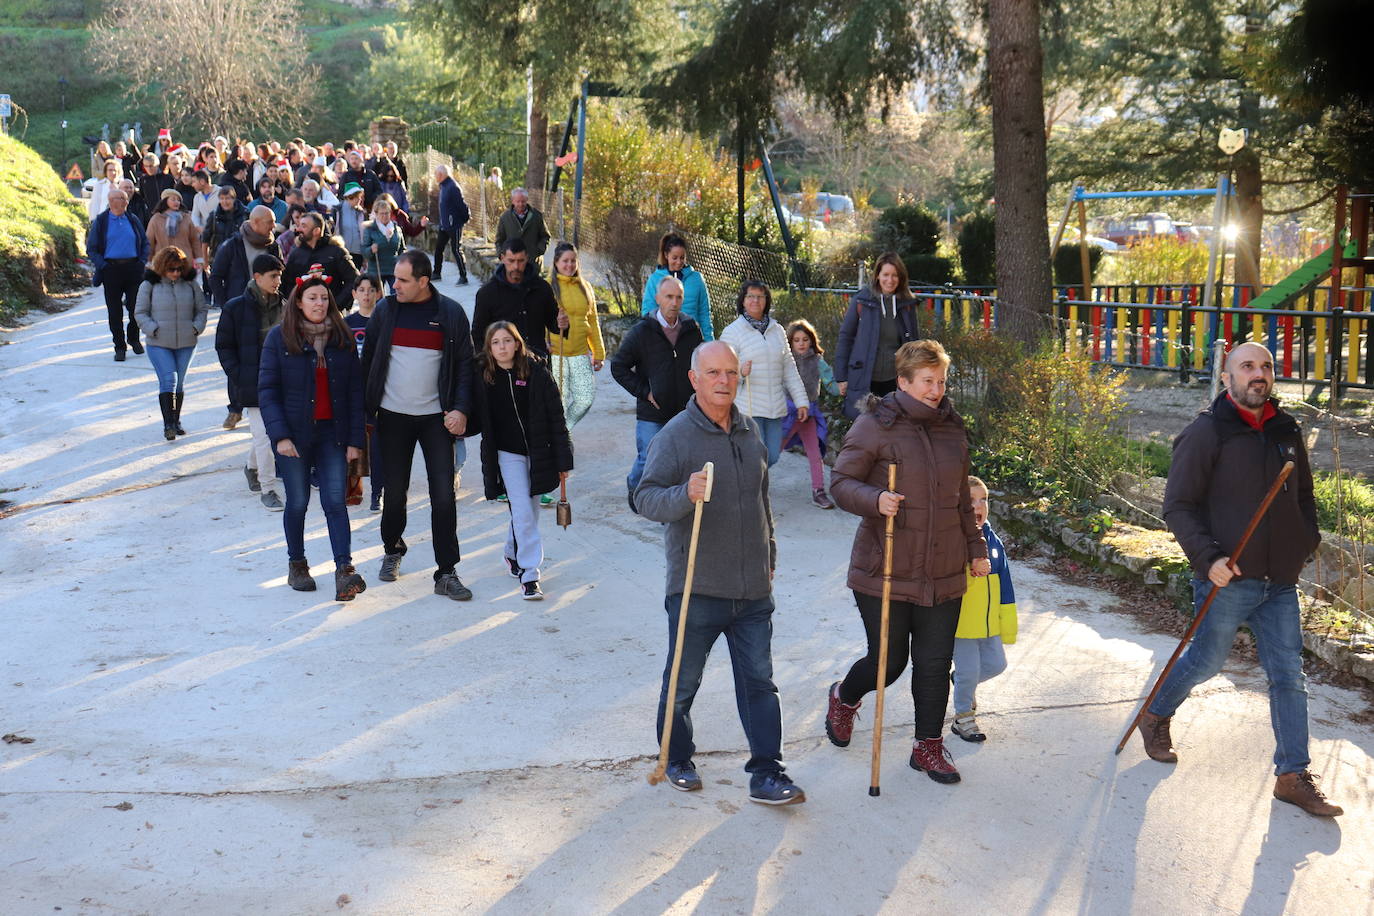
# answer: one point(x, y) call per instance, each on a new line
point(538, 149)
point(1015, 64)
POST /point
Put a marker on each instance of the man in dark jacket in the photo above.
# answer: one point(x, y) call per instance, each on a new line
point(1224, 462)
point(523, 222)
point(363, 176)
point(418, 366)
point(236, 177)
point(243, 326)
point(232, 267)
point(151, 180)
point(314, 247)
point(652, 364)
point(223, 222)
point(518, 295)
point(118, 249)
point(453, 216)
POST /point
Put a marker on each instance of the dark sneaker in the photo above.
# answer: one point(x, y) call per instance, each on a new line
point(347, 583)
point(1301, 789)
point(273, 502)
point(530, 591)
point(376, 504)
point(775, 789)
point(462, 281)
point(120, 356)
point(966, 727)
point(930, 756)
point(683, 777)
point(254, 485)
point(514, 567)
point(820, 500)
point(298, 576)
point(391, 567)
point(450, 586)
point(1159, 744)
point(137, 347)
point(839, 717)
point(231, 419)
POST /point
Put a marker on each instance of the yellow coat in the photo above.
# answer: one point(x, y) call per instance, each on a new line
point(989, 605)
point(575, 297)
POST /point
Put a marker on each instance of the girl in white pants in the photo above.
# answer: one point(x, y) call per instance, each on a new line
point(526, 449)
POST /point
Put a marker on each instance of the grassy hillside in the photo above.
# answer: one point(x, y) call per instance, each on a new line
point(42, 231)
point(44, 40)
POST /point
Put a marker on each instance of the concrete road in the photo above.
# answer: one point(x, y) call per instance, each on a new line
point(207, 741)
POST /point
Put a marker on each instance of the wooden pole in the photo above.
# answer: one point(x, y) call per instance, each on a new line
point(874, 787)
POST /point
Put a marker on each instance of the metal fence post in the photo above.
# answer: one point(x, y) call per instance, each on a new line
point(482, 194)
point(1337, 346)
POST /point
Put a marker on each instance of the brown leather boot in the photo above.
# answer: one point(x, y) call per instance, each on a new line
point(1301, 789)
point(298, 576)
point(1154, 731)
point(347, 583)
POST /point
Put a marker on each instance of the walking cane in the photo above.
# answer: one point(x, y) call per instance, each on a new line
point(670, 702)
point(874, 789)
point(1206, 605)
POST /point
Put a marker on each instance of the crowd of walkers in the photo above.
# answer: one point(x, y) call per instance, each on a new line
point(345, 357)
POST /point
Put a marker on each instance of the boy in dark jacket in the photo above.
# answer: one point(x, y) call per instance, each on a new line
point(1224, 463)
point(652, 364)
point(242, 329)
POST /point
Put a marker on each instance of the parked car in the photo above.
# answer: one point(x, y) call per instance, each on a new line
point(828, 204)
point(1137, 226)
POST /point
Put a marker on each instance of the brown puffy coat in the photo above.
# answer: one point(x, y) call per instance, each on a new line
point(935, 536)
point(187, 237)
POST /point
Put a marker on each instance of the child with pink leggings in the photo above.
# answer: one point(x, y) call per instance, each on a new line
point(815, 372)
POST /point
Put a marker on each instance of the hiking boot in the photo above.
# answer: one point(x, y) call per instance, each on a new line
point(930, 756)
point(839, 717)
point(347, 583)
point(254, 485)
point(1154, 731)
point(820, 500)
point(391, 567)
point(775, 789)
point(514, 567)
point(272, 502)
point(1301, 789)
point(231, 419)
point(298, 576)
point(530, 591)
point(966, 727)
point(450, 586)
point(683, 777)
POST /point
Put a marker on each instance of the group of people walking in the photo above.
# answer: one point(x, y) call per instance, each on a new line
point(334, 398)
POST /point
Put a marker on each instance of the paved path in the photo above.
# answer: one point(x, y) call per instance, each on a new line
point(208, 741)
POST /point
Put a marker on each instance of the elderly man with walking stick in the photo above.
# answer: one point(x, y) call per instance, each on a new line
point(1224, 462)
point(725, 550)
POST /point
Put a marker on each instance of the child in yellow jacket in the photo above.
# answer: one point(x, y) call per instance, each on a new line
point(987, 620)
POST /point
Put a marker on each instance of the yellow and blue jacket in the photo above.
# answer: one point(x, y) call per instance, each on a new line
point(989, 606)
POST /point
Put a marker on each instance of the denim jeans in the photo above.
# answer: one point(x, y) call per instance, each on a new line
point(975, 661)
point(1271, 612)
point(171, 366)
point(645, 430)
point(748, 629)
point(322, 454)
point(770, 431)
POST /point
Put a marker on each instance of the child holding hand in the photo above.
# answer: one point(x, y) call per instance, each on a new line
point(987, 621)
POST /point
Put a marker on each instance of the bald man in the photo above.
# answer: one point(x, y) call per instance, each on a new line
point(1223, 464)
point(233, 266)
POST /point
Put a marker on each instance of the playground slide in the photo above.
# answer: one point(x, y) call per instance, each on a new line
point(1309, 275)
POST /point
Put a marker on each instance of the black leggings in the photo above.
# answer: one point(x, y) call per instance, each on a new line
point(451, 240)
point(928, 634)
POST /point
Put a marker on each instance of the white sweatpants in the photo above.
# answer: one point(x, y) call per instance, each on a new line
point(261, 458)
point(523, 544)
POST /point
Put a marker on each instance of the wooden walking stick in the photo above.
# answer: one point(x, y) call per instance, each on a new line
point(874, 788)
point(670, 703)
point(1206, 605)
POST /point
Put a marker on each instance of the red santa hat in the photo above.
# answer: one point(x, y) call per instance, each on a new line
point(176, 148)
point(165, 133)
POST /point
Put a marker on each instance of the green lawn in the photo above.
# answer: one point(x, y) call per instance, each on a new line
point(41, 226)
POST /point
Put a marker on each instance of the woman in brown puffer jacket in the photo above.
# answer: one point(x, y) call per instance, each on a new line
point(171, 225)
point(935, 542)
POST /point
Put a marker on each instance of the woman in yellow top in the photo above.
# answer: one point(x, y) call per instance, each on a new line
point(578, 352)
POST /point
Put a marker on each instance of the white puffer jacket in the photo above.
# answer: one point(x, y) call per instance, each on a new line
point(773, 377)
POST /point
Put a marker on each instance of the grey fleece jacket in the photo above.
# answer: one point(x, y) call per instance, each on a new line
point(736, 552)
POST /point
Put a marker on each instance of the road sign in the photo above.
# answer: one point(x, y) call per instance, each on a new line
point(75, 173)
point(6, 108)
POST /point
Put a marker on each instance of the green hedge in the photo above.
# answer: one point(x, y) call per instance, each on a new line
point(42, 231)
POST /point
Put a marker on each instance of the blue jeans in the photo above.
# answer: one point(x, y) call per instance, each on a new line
point(330, 462)
point(770, 431)
point(645, 430)
point(748, 629)
point(1271, 612)
point(975, 661)
point(170, 366)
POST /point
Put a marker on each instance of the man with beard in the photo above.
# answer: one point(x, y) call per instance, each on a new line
point(314, 247)
point(232, 268)
point(1223, 465)
point(517, 294)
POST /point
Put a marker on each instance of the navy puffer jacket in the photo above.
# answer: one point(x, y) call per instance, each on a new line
point(286, 390)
